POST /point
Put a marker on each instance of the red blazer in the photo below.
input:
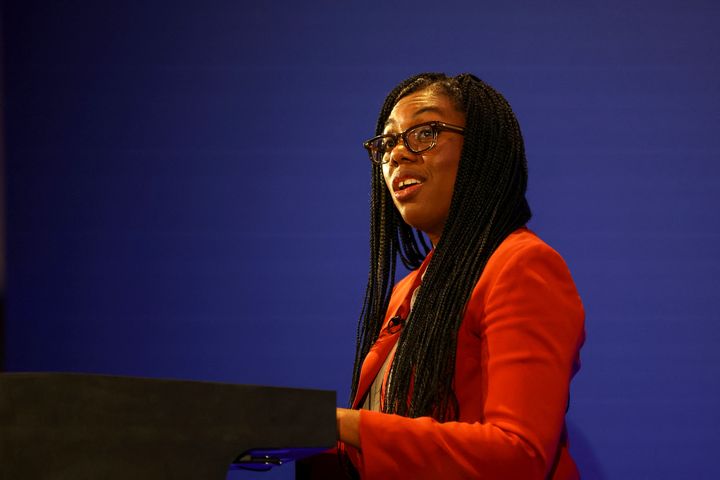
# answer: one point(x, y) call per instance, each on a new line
point(517, 350)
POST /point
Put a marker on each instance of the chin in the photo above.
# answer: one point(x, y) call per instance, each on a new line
point(420, 220)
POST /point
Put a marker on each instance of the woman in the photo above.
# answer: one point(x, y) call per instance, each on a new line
point(462, 368)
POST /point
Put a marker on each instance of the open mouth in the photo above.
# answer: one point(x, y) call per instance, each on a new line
point(403, 182)
point(404, 187)
point(407, 183)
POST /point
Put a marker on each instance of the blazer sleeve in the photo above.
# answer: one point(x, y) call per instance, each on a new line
point(529, 317)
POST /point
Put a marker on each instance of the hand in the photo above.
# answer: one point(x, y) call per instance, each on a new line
point(348, 426)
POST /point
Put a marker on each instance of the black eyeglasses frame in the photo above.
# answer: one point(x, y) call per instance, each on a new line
point(379, 158)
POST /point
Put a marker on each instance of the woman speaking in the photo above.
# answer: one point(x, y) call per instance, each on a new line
point(462, 368)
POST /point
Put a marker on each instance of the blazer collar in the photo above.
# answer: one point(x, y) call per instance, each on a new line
point(399, 305)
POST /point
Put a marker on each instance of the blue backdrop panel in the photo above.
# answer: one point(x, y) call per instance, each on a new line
point(188, 197)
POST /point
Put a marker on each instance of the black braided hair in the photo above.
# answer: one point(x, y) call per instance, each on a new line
point(488, 204)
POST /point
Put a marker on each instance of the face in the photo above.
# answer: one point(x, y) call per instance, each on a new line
point(421, 184)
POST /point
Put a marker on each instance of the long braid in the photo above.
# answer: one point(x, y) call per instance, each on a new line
point(388, 232)
point(488, 204)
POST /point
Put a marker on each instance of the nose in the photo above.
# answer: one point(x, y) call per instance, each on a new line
point(400, 153)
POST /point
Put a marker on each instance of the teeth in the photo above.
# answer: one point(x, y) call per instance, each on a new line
point(408, 182)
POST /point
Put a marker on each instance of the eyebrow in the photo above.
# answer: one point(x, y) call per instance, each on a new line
point(390, 121)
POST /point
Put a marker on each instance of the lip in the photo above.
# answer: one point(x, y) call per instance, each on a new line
point(406, 193)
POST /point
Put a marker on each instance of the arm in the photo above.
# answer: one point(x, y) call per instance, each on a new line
point(528, 317)
point(348, 426)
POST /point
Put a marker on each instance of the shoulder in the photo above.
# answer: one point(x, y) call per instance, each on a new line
point(522, 240)
point(526, 292)
point(523, 252)
point(524, 270)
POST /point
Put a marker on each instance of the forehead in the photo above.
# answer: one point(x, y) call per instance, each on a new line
point(428, 104)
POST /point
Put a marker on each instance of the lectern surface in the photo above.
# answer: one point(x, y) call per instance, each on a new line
point(71, 426)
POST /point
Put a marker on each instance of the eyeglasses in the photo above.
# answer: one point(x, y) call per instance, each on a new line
point(417, 139)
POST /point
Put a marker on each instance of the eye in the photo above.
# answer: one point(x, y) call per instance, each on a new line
point(385, 143)
point(423, 134)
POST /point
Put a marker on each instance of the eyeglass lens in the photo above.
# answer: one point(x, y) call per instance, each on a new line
point(417, 139)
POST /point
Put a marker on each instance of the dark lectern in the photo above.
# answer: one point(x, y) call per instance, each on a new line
point(77, 427)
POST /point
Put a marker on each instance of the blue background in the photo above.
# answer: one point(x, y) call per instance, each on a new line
point(187, 195)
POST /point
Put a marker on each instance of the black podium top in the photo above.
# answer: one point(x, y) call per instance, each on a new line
point(71, 426)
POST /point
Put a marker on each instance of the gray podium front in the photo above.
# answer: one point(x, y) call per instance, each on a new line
point(72, 426)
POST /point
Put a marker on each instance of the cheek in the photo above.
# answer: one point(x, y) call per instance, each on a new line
point(387, 176)
point(447, 173)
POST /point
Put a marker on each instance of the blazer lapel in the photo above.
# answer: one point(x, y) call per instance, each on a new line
point(399, 305)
